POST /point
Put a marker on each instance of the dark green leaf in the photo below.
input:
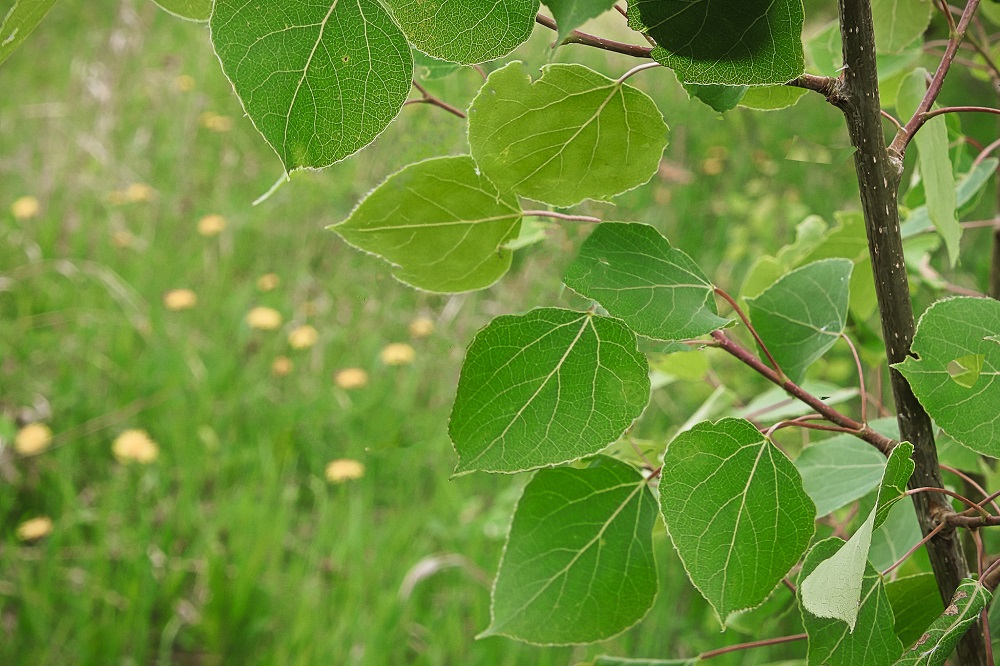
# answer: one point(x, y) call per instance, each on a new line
point(571, 14)
point(720, 98)
point(915, 602)
point(940, 639)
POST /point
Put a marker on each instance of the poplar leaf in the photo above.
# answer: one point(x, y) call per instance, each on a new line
point(319, 80)
point(546, 387)
point(941, 637)
point(838, 471)
point(952, 334)
point(916, 603)
point(749, 43)
point(571, 135)
point(578, 563)
point(736, 512)
point(192, 10)
point(571, 14)
point(898, 23)
point(720, 98)
point(636, 275)
point(441, 223)
point(19, 21)
point(771, 98)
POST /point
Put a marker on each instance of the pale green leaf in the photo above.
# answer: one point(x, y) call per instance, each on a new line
point(941, 637)
point(838, 471)
point(572, 134)
point(465, 31)
point(546, 387)
point(571, 14)
point(803, 314)
point(737, 44)
point(949, 330)
point(193, 10)
point(834, 588)
point(735, 510)
point(810, 235)
point(636, 275)
point(771, 98)
point(319, 80)
point(427, 68)
point(832, 642)
point(578, 564)
point(970, 184)
point(915, 602)
point(932, 158)
point(18, 21)
point(720, 98)
point(440, 222)
point(898, 23)
point(897, 535)
point(778, 405)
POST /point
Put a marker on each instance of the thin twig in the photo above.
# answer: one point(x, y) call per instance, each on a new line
point(753, 644)
point(972, 482)
point(985, 152)
point(916, 547)
point(746, 322)
point(950, 493)
point(861, 378)
point(960, 109)
point(428, 98)
point(889, 116)
point(577, 37)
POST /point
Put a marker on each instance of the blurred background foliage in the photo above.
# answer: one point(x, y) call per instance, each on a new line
point(227, 536)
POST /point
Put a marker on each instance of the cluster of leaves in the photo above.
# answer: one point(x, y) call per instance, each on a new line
point(549, 390)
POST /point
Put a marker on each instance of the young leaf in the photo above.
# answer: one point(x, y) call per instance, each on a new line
point(465, 31)
point(915, 602)
point(948, 331)
point(571, 14)
point(440, 222)
point(571, 135)
point(578, 564)
point(803, 314)
point(898, 23)
point(735, 510)
point(935, 166)
point(192, 10)
point(18, 22)
point(874, 642)
point(838, 471)
point(319, 80)
point(636, 275)
point(732, 43)
point(835, 587)
point(940, 639)
point(546, 387)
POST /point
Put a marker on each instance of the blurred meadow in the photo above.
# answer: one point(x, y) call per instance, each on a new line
point(243, 453)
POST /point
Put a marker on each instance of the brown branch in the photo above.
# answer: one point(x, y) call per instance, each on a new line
point(746, 322)
point(975, 486)
point(577, 37)
point(916, 547)
point(959, 109)
point(433, 101)
point(753, 644)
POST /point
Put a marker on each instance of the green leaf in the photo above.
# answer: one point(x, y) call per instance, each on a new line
point(442, 224)
point(546, 387)
point(838, 471)
point(778, 405)
point(940, 639)
point(771, 98)
point(636, 275)
point(874, 642)
point(193, 10)
point(319, 80)
point(428, 68)
point(915, 602)
point(898, 23)
point(571, 135)
point(571, 14)
point(803, 314)
point(465, 31)
point(578, 564)
point(19, 21)
point(735, 510)
point(835, 587)
point(720, 98)
point(897, 535)
point(935, 166)
point(948, 331)
point(738, 44)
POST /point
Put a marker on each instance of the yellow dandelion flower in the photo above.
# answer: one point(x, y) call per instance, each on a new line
point(265, 319)
point(211, 225)
point(184, 83)
point(135, 446)
point(180, 299)
point(34, 529)
point(397, 353)
point(303, 337)
point(344, 469)
point(25, 208)
point(139, 192)
point(421, 327)
point(32, 438)
point(268, 282)
point(351, 378)
point(282, 366)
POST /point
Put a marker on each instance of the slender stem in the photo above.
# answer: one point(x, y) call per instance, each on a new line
point(960, 109)
point(979, 224)
point(916, 547)
point(806, 424)
point(754, 644)
point(638, 68)
point(428, 98)
point(985, 152)
point(971, 522)
point(789, 584)
point(861, 378)
point(950, 493)
point(560, 216)
point(746, 322)
point(889, 116)
point(577, 37)
point(975, 485)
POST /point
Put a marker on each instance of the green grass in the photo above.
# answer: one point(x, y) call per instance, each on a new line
point(232, 548)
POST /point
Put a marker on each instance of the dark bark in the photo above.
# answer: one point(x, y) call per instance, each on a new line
point(878, 179)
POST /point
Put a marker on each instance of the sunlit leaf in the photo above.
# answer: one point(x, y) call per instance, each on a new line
point(578, 564)
point(950, 330)
point(440, 222)
point(636, 275)
point(465, 31)
point(736, 512)
point(754, 42)
point(193, 10)
point(546, 387)
point(18, 21)
point(319, 80)
point(941, 637)
point(570, 135)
